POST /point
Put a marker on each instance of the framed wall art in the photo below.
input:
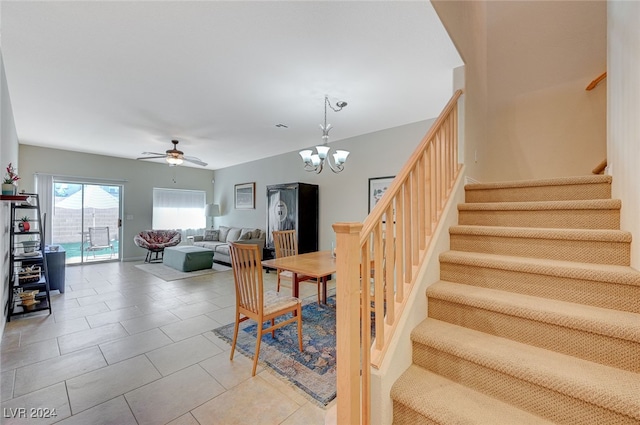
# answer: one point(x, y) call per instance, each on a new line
point(377, 187)
point(245, 196)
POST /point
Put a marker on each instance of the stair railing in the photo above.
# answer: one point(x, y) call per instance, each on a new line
point(592, 85)
point(377, 261)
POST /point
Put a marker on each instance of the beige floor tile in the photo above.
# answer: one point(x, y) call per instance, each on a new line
point(70, 293)
point(118, 286)
point(113, 412)
point(114, 316)
point(63, 313)
point(171, 397)
point(33, 353)
point(182, 354)
point(134, 345)
point(52, 330)
point(28, 322)
point(187, 419)
point(10, 341)
point(223, 301)
point(87, 338)
point(98, 298)
point(96, 387)
point(294, 393)
point(308, 414)
point(254, 402)
point(149, 321)
point(6, 384)
point(193, 310)
point(190, 327)
point(224, 315)
point(229, 373)
point(51, 401)
point(31, 378)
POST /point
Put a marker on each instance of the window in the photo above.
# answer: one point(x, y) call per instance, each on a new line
point(178, 209)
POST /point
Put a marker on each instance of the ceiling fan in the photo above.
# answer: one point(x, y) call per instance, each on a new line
point(173, 156)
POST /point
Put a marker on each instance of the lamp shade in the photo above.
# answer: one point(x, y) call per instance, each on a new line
point(212, 210)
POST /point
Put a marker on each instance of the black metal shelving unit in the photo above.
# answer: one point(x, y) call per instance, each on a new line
point(25, 265)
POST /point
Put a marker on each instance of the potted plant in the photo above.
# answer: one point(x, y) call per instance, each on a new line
point(24, 225)
point(10, 180)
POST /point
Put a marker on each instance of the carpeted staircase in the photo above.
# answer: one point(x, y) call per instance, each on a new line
point(536, 318)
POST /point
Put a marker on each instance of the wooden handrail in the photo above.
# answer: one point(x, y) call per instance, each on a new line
point(600, 167)
point(391, 244)
point(592, 85)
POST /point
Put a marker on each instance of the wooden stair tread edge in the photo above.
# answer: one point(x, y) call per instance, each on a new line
point(589, 204)
point(597, 235)
point(581, 379)
point(596, 320)
point(558, 181)
point(431, 394)
point(609, 273)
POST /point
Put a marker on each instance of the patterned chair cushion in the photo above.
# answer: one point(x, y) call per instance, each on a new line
point(157, 239)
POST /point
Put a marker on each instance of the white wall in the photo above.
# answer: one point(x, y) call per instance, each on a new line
point(8, 153)
point(141, 177)
point(623, 135)
point(343, 196)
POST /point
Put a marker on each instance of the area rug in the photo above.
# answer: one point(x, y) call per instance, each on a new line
point(314, 370)
point(168, 274)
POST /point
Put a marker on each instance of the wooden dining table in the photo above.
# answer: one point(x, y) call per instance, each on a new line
point(318, 264)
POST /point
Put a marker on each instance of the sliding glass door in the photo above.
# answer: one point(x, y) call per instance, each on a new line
point(86, 221)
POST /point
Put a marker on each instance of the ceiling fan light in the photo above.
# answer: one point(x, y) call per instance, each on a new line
point(174, 161)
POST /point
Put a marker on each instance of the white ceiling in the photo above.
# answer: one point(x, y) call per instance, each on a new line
point(119, 78)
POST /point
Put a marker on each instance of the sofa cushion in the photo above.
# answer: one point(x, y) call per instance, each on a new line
point(222, 249)
point(233, 235)
point(223, 232)
point(211, 235)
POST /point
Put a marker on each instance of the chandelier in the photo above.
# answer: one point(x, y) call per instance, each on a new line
point(315, 162)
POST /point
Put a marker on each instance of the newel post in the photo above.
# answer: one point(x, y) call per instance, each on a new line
point(348, 343)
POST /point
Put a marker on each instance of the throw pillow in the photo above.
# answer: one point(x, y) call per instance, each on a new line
point(246, 234)
point(223, 232)
point(258, 234)
point(211, 235)
point(233, 234)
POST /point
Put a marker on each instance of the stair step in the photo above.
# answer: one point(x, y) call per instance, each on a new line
point(423, 397)
point(564, 188)
point(599, 285)
point(581, 245)
point(558, 387)
point(580, 214)
point(600, 335)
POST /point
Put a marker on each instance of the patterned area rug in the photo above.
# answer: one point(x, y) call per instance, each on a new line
point(168, 274)
point(314, 370)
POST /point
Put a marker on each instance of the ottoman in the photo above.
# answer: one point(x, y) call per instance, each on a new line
point(188, 258)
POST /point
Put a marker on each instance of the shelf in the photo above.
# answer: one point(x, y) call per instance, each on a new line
point(19, 309)
point(13, 197)
point(19, 260)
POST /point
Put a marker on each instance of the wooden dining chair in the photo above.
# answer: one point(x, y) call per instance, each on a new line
point(286, 244)
point(252, 302)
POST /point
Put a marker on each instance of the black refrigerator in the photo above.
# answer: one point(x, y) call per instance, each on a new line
point(293, 206)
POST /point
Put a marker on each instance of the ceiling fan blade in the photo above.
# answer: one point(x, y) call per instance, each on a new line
point(152, 157)
point(194, 160)
point(153, 153)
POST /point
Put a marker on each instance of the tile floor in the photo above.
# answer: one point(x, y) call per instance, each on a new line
point(125, 347)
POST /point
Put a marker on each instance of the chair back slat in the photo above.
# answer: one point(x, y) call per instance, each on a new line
point(247, 274)
point(286, 243)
